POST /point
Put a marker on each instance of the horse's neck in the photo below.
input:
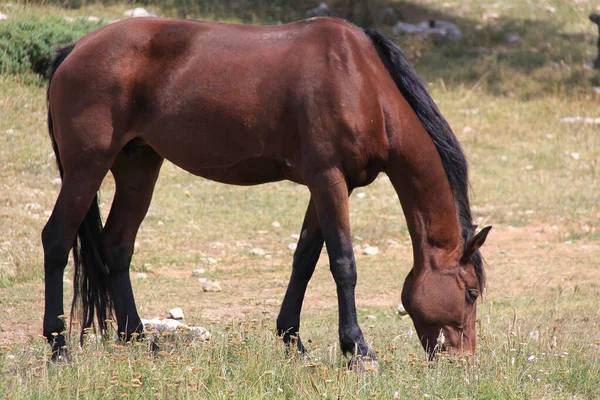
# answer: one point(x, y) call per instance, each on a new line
point(420, 181)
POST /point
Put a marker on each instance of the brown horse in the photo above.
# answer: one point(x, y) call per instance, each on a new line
point(317, 102)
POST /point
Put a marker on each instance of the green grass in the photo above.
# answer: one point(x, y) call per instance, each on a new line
point(503, 101)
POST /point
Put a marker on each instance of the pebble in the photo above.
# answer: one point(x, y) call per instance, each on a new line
point(198, 272)
point(257, 252)
point(211, 286)
point(276, 224)
point(292, 246)
point(211, 260)
point(176, 313)
point(141, 275)
point(401, 310)
point(3, 16)
point(370, 250)
point(371, 317)
point(138, 12)
point(361, 195)
point(202, 280)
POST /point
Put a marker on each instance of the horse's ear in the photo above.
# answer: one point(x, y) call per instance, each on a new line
point(475, 243)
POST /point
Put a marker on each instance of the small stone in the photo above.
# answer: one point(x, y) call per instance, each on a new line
point(211, 260)
point(91, 18)
point(528, 167)
point(138, 12)
point(160, 223)
point(371, 317)
point(292, 246)
point(141, 275)
point(176, 313)
point(257, 252)
point(198, 272)
point(276, 224)
point(513, 39)
point(295, 236)
point(56, 181)
point(401, 310)
point(3, 16)
point(211, 286)
point(202, 280)
point(503, 158)
point(575, 156)
point(361, 195)
point(370, 250)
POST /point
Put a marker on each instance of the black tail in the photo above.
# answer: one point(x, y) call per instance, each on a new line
point(90, 283)
point(447, 145)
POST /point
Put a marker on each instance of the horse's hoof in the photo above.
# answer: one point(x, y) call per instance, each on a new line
point(362, 364)
point(61, 355)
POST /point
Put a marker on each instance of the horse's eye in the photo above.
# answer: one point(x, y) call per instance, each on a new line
point(472, 295)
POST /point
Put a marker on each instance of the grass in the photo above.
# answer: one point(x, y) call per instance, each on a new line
point(539, 326)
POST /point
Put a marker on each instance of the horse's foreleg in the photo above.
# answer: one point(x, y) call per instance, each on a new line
point(135, 176)
point(306, 256)
point(330, 193)
point(76, 195)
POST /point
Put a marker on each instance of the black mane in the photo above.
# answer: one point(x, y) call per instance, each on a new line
point(446, 143)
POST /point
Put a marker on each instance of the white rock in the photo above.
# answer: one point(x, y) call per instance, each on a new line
point(138, 12)
point(445, 29)
point(211, 260)
point(141, 275)
point(361, 195)
point(257, 252)
point(276, 224)
point(211, 286)
point(91, 18)
point(575, 156)
point(401, 311)
point(370, 250)
point(32, 206)
point(371, 317)
point(295, 236)
point(56, 181)
point(171, 325)
point(202, 280)
point(513, 39)
point(176, 313)
point(292, 246)
point(3, 16)
point(198, 272)
point(320, 10)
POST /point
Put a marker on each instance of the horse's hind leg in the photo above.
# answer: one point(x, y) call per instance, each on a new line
point(135, 173)
point(77, 192)
point(306, 256)
point(330, 193)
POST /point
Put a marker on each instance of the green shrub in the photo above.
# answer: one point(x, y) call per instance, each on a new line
point(27, 44)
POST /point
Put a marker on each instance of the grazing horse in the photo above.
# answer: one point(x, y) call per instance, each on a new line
point(318, 102)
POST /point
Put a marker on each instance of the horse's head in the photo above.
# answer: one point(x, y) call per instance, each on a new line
point(441, 295)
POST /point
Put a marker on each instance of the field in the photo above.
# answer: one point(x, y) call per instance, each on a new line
point(534, 177)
